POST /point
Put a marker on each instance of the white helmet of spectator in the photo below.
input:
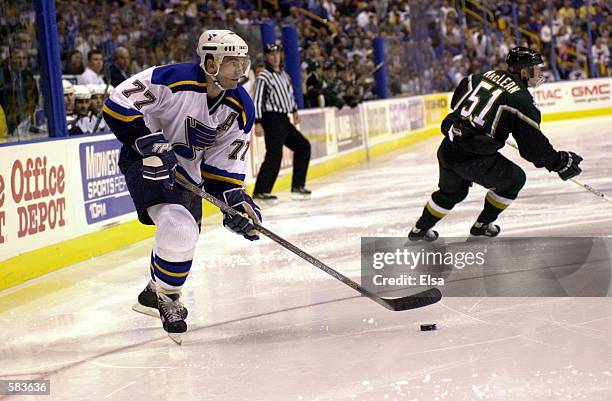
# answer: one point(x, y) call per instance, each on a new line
point(216, 44)
point(81, 92)
point(99, 89)
point(68, 87)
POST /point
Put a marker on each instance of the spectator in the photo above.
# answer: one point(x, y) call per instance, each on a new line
point(313, 96)
point(82, 124)
point(18, 91)
point(293, 17)
point(68, 97)
point(601, 56)
point(243, 17)
point(93, 71)
point(332, 86)
point(74, 64)
point(98, 95)
point(567, 11)
point(120, 69)
point(141, 61)
point(576, 72)
point(583, 11)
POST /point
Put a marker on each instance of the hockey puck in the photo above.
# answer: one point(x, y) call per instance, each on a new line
point(428, 327)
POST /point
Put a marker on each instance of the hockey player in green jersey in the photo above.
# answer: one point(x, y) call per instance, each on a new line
point(486, 108)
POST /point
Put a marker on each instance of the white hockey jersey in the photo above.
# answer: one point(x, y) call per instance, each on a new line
point(210, 139)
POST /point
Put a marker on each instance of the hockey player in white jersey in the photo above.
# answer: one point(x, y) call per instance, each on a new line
point(192, 120)
point(98, 93)
point(82, 98)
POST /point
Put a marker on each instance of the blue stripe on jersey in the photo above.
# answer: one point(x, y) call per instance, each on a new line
point(121, 110)
point(245, 107)
point(217, 171)
point(180, 76)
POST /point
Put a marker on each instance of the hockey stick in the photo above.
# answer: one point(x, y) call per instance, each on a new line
point(589, 188)
point(424, 298)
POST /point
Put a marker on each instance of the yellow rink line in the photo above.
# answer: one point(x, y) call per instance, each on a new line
point(36, 263)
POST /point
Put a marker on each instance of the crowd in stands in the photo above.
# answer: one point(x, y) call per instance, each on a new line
point(429, 45)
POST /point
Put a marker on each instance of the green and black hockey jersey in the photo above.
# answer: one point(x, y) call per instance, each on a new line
point(487, 107)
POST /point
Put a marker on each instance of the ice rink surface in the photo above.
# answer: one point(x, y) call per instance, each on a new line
point(265, 325)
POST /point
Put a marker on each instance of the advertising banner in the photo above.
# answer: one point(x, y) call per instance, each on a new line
point(349, 128)
point(105, 193)
point(436, 108)
point(574, 95)
point(37, 185)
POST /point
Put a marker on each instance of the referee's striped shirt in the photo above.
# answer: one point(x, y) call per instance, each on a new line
point(273, 93)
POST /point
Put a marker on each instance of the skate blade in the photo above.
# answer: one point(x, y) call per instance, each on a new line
point(270, 202)
point(145, 310)
point(176, 337)
point(299, 197)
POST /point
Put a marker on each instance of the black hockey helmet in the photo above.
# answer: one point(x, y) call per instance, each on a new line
point(272, 47)
point(521, 57)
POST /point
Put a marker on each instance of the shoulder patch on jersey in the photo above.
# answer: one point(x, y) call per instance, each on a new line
point(240, 101)
point(180, 77)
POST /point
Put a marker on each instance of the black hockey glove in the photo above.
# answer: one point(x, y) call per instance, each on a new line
point(250, 213)
point(567, 166)
point(158, 159)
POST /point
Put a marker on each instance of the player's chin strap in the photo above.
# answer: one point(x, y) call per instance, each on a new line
point(589, 188)
point(214, 78)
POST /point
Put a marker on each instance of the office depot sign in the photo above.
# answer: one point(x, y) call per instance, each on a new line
point(33, 199)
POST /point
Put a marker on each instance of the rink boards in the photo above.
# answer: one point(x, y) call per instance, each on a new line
point(64, 201)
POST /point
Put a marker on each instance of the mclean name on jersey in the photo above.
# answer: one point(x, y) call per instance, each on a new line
point(506, 82)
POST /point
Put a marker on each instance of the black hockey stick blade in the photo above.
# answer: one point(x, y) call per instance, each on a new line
point(420, 300)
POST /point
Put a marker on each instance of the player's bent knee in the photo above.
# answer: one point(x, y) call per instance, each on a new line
point(512, 189)
point(521, 179)
point(177, 233)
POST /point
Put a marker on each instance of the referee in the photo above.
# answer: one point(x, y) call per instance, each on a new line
point(273, 101)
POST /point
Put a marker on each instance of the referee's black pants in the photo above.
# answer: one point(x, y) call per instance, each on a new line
point(280, 132)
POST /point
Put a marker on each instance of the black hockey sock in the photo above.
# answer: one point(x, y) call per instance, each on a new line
point(494, 204)
point(437, 207)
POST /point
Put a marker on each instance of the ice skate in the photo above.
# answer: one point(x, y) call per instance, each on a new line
point(417, 234)
point(267, 198)
point(485, 230)
point(147, 302)
point(300, 193)
point(170, 312)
